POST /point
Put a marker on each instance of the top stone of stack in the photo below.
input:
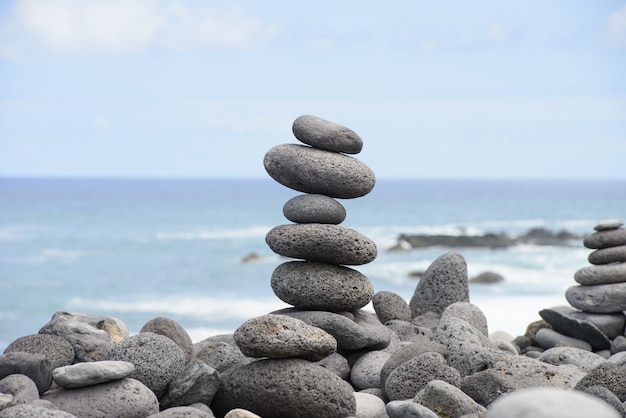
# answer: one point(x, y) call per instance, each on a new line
point(326, 135)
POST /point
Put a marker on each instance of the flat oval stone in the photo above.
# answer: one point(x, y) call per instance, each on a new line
point(548, 338)
point(312, 170)
point(609, 273)
point(280, 336)
point(601, 298)
point(609, 224)
point(561, 321)
point(611, 325)
point(332, 244)
point(608, 255)
point(323, 134)
point(321, 286)
point(314, 208)
point(605, 239)
point(91, 373)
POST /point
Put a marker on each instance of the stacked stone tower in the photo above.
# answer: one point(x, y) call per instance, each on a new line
point(599, 298)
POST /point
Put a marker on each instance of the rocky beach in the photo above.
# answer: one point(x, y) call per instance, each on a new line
point(327, 355)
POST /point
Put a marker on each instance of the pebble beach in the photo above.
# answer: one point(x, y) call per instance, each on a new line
point(433, 355)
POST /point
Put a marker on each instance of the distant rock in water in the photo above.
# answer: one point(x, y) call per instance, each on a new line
point(535, 236)
point(487, 277)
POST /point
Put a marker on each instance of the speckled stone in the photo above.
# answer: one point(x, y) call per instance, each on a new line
point(583, 359)
point(172, 330)
point(605, 239)
point(311, 170)
point(323, 134)
point(326, 243)
point(91, 373)
point(314, 208)
point(610, 273)
point(608, 224)
point(608, 255)
point(21, 387)
point(601, 298)
point(365, 372)
point(606, 374)
point(321, 286)
point(57, 350)
point(389, 306)
point(447, 400)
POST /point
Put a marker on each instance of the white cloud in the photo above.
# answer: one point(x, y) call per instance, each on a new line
point(616, 27)
point(121, 26)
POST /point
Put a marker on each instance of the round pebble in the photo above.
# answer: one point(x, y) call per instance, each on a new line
point(321, 133)
point(332, 244)
point(172, 330)
point(608, 255)
point(312, 170)
point(389, 306)
point(321, 286)
point(314, 208)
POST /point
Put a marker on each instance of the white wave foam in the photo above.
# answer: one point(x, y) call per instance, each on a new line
point(214, 234)
point(196, 307)
point(15, 233)
point(54, 255)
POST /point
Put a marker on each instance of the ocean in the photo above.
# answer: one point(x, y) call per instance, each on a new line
point(136, 249)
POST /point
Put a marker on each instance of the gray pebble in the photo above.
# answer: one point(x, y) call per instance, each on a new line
point(220, 354)
point(21, 387)
point(583, 359)
point(337, 364)
point(605, 239)
point(389, 305)
point(157, 359)
point(314, 208)
point(369, 406)
point(365, 372)
point(57, 350)
point(487, 385)
point(447, 400)
point(469, 313)
point(280, 336)
point(609, 273)
point(182, 412)
point(285, 387)
point(91, 373)
point(537, 373)
point(323, 134)
point(601, 298)
point(607, 396)
point(609, 224)
point(608, 255)
point(326, 243)
point(563, 319)
point(321, 286)
point(32, 410)
point(408, 409)
point(548, 338)
point(172, 330)
point(407, 331)
point(240, 413)
point(544, 402)
point(611, 325)
point(443, 283)
point(312, 170)
point(607, 374)
point(124, 398)
point(407, 352)
point(35, 366)
point(197, 383)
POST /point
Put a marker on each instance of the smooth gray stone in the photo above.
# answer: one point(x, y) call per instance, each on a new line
point(469, 313)
point(157, 359)
point(548, 338)
point(323, 134)
point(611, 325)
point(618, 358)
point(33, 410)
point(365, 372)
point(182, 412)
point(443, 283)
point(351, 334)
point(221, 354)
point(413, 375)
point(92, 373)
point(608, 255)
point(285, 387)
point(369, 406)
point(312, 170)
point(537, 373)
point(326, 243)
point(618, 344)
point(314, 208)
point(601, 298)
point(57, 350)
point(607, 396)
point(337, 364)
point(280, 336)
point(408, 409)
point(240, 413)
point(605, 239)
point(321, 286)
point(105, 400)
point(563, 322)
point(549, 402)
point(609, 224)
point(197, 383)
point(389, 306)
point(607, 374)
point(21, 387)
point(488, 385)
point(608, 273)
point(172, 330)
point(407, 352)
point(447, 400)
point(584, 360)
point(35, 366)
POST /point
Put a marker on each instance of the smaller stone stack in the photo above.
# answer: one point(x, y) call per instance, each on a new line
point(599, 298)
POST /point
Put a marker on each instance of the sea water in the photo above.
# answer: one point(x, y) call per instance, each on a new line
point(136, 249)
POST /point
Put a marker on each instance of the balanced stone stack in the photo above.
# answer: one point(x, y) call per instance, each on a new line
point(599, 299)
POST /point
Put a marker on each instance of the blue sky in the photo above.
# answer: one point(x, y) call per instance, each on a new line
point(149, 88)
